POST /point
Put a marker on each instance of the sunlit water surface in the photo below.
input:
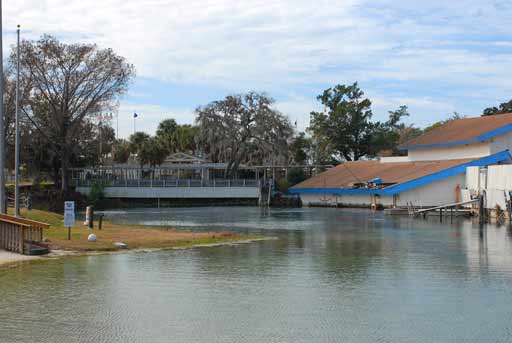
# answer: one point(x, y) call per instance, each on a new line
point(331, 276)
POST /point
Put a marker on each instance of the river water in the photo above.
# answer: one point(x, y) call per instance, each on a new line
point(332, 275)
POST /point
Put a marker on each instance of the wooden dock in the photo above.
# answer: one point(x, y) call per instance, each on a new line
point(22, 236)
point(453, 209)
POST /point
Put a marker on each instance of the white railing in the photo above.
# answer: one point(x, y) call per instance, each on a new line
point(176, 183)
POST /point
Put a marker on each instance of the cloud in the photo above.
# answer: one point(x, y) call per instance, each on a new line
point(149, 116)
point(441, 56)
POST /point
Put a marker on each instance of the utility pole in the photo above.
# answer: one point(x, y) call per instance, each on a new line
point(3, 205)
point(17, 139)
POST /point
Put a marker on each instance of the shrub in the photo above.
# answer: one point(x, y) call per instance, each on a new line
point(95, 194)
point(295, 176)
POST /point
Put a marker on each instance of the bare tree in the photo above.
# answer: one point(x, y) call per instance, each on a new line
point(69, 82)
point(244, 129)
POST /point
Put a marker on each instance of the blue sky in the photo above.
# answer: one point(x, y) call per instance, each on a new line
point(437, 57)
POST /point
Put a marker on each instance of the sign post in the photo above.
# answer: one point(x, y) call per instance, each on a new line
point(69, 216)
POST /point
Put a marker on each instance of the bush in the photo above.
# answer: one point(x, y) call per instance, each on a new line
point(295, 176)
point(283, 185)
point(95, 194)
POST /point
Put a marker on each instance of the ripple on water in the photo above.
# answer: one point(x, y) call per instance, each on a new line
point(333, 276)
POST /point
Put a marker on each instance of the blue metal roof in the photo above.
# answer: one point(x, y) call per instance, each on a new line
point(419, 182)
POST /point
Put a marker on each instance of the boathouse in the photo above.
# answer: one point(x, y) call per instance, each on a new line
point(432, 173)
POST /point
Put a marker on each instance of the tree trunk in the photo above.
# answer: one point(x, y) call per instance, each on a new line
point(65, 170)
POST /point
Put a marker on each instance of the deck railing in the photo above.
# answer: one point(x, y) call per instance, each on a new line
point(169, 183)
point(15, 232)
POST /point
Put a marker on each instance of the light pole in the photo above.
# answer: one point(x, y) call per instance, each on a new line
point(3, 205)
point(17, 138)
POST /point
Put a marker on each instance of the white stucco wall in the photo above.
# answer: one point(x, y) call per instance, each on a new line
point(501, 142)
point(395, 159)
point(332, 199)
point(451, 153)
point(434, 194)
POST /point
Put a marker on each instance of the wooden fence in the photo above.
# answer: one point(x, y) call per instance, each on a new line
point(16, 232)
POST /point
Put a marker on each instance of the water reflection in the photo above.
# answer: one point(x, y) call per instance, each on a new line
point(332, 275)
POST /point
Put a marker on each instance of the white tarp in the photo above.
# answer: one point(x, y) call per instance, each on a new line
point(499, 177)
point(472, 177)
point(496, 197)
point(465, 195)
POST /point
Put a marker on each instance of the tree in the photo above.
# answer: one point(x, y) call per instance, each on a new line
point(344, 128)
point(138, 143)
point(176, 137)
point(388, 136)
point(167, 134)
point(455, 116)
point(121, 151)
point(300, 149)
point(154, 152)
point(69, 83)
point(505, 107)
point(244, 128)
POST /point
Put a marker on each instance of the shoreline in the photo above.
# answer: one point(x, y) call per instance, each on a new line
point(8, 258)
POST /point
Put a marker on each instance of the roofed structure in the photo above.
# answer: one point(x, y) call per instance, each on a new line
point(355, 177)
point(462, 131)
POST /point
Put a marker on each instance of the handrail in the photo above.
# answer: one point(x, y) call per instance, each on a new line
point(3, 220)
point(446, 206)
point(26, 222)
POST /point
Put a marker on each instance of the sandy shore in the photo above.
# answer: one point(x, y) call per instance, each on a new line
point(9, 257)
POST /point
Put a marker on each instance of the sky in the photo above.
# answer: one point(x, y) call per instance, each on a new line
point(434, 56)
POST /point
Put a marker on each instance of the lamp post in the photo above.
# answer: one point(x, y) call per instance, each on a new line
point(3, 205)
point(17, 138)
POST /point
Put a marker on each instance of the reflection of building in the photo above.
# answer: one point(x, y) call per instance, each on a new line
point(432, 173)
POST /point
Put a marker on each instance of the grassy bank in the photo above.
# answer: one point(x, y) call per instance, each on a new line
point(135, 236)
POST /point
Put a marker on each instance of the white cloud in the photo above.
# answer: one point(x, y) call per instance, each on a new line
point(284, 46)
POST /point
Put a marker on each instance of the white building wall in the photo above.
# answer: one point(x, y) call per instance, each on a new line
point(394, 159)
point(333, 199)
point(451, 153)
point(178, 192)
point(501, 142)
point(434, 194)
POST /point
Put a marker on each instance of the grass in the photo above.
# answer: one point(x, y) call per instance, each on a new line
point(135, 236)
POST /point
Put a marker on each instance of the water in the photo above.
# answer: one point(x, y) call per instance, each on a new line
point(331, 276)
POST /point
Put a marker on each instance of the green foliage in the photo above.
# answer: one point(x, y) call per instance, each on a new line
point(505, 107)
point(121, 151)
point(95, 194)
point(283, 185)
point(244, 128)
point(455, 116)
point(138, 145)
point(300, 149)
point(296, 175)
point(344, 129)
point(154, 152)
point(176, 137)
